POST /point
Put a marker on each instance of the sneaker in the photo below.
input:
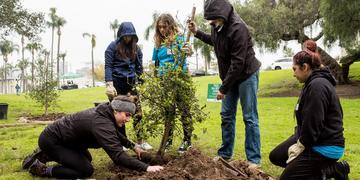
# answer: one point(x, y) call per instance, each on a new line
point(125, 149)
point(146, 146)
point(217, 158)
point(37, 154)
point(252, 165)
point(185, 145)
point(338, 171)
point(37, 168)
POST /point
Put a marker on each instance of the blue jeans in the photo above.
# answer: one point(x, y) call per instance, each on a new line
point(246, 92)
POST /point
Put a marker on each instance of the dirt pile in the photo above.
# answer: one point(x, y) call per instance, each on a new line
point(192, 165)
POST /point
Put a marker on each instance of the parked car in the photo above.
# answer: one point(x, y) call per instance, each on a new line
point(212, 72)
point(198, 73)
point(69, 85)
point(283, 63)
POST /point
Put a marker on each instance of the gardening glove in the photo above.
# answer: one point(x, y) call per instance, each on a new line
point(138, 150)
point(110, 90)
point(294, 151)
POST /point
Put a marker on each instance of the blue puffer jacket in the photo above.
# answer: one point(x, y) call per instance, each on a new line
point(122, 68)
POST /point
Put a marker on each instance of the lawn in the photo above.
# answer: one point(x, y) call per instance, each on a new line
point(276, 124)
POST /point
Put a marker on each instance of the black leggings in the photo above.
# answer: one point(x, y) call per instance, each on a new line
point(73, 163)
point(307, 165)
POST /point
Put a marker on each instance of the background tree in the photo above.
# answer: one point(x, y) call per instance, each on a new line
point(114, 26)
point(44, 91)
point(62, 56)
point(60, 22)
point(288, 52)
point(13, 18)
point(52, 25)
point(152, 26)
point(33, 47)
point(93, 44)
point(23, 64)
point(99, 72)
point(272, 22)
point(204, 48)
point(6, 48)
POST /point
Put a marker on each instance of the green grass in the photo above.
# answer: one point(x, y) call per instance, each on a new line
point(276, 124)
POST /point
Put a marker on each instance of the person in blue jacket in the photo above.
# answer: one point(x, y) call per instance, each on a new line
point(167, 38)
point(123, 67)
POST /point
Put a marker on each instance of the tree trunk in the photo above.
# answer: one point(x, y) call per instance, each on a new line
point(52, 52)
point(169, 125)
point(333, 65)
point(32, 67)
point(58, 59)
point(92, 66)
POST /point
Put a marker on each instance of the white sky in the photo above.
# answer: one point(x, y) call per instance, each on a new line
point(94, 17)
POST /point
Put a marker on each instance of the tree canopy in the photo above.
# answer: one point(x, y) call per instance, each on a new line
point(14, 17)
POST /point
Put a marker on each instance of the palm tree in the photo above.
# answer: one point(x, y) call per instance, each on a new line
point(22, 65)
point(93, 44)
point(60, 22)
point(152, 26)
point(204, 48)
point(6, 48)
point(52, 25)
point(33, 47)
point(62, 56)
point(114, 26)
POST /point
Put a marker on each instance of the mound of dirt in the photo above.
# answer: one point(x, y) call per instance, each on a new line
point(192, 165)
point(48, 117)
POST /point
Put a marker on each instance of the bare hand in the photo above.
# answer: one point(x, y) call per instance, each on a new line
point(138, 150)
point(192, 26)
point(187, 49)
point(154, 168)
point(220, 96)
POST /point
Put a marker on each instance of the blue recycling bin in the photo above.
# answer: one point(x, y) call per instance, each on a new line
point(3, 110)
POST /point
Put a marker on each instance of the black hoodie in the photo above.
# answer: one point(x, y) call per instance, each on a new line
point(319, 114)
point(232, 44)
point(95, 128)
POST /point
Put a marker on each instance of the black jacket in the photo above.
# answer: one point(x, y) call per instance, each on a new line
point(95, 128)
point(232, 44)
point(319, 114)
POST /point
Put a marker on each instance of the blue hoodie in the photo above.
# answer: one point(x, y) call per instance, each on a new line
point(122, 68)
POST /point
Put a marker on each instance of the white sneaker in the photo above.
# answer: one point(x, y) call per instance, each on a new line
point(125, 149)
point(146, 146)
point(253, 165)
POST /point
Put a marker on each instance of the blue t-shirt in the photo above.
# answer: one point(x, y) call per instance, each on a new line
point(164, 54)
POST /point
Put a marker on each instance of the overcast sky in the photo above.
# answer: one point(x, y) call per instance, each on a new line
point(94, 17)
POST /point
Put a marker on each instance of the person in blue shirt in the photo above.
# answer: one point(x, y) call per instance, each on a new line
point(318, 142)
point(167, 39)
point(123, 67)
point(17, 87)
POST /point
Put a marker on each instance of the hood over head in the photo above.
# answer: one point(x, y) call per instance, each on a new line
point(322, 73)
point(126, 29)
point(214, 9)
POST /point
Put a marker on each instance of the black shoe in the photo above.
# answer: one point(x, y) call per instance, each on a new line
point(38, 169)
point(338, 171)
point(37, 154)
point(185, 145)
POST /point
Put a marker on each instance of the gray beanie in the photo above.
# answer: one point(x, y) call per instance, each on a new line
point(123, 106)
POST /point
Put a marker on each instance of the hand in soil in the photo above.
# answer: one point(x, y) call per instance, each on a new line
point(154, 168)
point(138, 150)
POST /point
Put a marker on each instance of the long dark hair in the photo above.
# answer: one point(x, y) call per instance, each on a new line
point(308, 55)
point(129, 50)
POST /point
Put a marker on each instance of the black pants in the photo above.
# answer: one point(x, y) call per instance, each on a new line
point(124, 86)
point(73, 162)
point(306, 166)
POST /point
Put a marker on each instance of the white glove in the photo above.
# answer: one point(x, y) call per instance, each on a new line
point(110, 90)
point(154, 168)
point(294, 151)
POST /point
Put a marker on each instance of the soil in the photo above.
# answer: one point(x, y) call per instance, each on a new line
point(191, 165)
point(351, 90)
point(48, 117)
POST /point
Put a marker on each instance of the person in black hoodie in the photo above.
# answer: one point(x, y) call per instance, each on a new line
point(239, 72)
point(318, 142)
point(67, 140)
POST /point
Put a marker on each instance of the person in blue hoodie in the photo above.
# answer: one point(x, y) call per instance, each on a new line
point(123, 68)
point(167, 37)
point(318, 142)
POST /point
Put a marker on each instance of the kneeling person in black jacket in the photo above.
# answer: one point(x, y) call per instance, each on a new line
point(67, 140)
